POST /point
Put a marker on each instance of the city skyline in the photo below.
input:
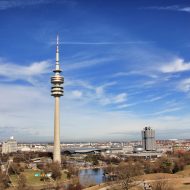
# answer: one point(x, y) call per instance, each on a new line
point(126, 65)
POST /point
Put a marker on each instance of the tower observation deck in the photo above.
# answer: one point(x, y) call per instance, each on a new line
point(57, 80)
point(57, 90)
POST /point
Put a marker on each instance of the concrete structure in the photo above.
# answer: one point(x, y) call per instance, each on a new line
point(148, 139)
point(145, 155)
point(9, 146)
point(138, 149)
point(57, 91)
point(91, 150)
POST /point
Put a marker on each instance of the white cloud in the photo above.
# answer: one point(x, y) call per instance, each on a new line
point(100, 90)
point(186, 9)
point(184, 85)
point(13, 71)
point(21, 104)
point(99, 94)
point(25, 107)
point(105, 98)
point(178, 65)
point(77, 93)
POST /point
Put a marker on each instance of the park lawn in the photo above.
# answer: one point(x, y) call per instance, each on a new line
point(185, 172)
point(180, 183)
point(179, 180)
point(96, 187)
point(156, 176)
point(182, 187)
point(32, 180)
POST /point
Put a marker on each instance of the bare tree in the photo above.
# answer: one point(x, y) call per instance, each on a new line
point(4, 181)
point(71, 171)
point(55, 169)
point(15, 168)
point(22, 183)
point(127, 174)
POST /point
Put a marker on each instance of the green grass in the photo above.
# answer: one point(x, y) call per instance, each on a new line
point(32, 180)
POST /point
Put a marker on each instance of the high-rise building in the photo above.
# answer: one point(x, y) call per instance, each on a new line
point(9, 146)
point(57, 90)
point(148, 139)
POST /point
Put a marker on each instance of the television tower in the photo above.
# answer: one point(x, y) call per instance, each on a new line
point(57, 90)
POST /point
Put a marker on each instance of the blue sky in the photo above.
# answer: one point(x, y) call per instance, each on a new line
point(126, 65)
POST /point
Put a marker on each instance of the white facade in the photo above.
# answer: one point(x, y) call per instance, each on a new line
point(9, 146)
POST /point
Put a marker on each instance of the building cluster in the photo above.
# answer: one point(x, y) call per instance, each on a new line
point(146, 147)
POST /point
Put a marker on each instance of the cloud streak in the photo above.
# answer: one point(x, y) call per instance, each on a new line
point(7, 4)
point(103, 43)
point(80, 64)
point(170, 8)
point(165, 111)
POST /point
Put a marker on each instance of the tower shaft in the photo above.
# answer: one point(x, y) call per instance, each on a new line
point(56, 150)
